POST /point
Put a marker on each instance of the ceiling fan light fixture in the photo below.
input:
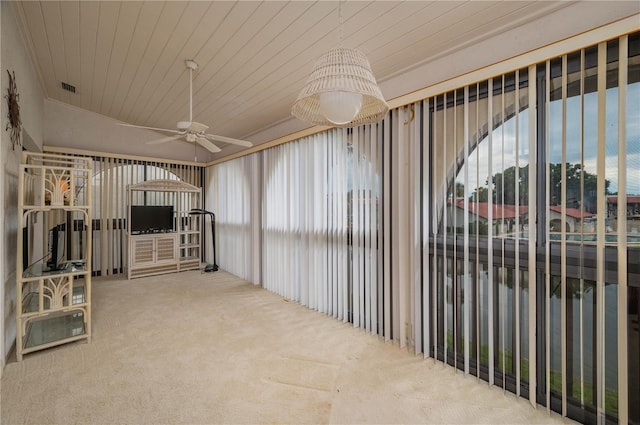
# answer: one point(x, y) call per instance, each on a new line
point(341, 82)
point(183, 125)
point(340, 107)
point(192, 126)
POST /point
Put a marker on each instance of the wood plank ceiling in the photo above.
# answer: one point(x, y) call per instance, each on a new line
point(126, 59)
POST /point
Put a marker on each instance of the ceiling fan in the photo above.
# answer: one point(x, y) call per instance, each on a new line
point(191, 131)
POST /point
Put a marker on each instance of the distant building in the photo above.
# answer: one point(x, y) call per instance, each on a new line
point(575, 218)
point(633, 213)
point(504, 217)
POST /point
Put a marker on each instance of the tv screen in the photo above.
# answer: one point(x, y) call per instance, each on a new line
point(56, 247)
point(151, 218)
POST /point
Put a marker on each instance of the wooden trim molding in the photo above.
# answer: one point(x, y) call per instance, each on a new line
point(73, 151)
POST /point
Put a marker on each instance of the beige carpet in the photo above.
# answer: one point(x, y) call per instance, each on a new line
point(210, 348)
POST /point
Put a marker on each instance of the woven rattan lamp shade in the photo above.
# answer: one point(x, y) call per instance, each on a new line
point(341, 69)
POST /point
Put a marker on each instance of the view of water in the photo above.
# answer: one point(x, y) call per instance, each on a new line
point(581, 358)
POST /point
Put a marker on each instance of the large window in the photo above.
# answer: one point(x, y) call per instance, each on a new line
point(537, 212)
point(320, 223)
point(236, 204)
point(494, 227)
point(480, 135)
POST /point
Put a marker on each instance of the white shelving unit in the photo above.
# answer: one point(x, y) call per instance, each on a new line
point(165, 252)
point(54, 215)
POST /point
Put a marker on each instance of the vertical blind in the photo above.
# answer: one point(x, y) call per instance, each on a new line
point(494, 228)
point(319, 228)
point(236, 205)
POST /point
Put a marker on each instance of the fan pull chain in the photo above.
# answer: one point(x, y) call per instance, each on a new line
point(340, 23)
point(190, 95)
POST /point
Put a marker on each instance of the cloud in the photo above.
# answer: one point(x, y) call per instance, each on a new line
point(581, 127)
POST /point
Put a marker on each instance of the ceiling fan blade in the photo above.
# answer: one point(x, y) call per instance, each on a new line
point(207, 145)
point(194, 131)
point(224, 139)
point(164, 140)
point(150, 128)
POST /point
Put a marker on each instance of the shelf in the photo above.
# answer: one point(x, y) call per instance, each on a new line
point(189, 258)
point(191, 245)
point(173, 232)
point(40, 270)
point(189, 263)
point(30, 303)
point(53, 307)
point(54, 330)
point(153, 269)
point(54, 182)
point(55, 207)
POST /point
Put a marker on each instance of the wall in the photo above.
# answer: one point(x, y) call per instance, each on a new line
point(14, 57)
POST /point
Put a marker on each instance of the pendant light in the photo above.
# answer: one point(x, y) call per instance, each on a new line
point(341, 90)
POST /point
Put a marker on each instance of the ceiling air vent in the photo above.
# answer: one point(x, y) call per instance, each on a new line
point(68, 87)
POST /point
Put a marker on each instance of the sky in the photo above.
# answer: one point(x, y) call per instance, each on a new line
point(504, 140)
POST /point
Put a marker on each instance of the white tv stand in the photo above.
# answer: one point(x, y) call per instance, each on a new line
point(168, 252)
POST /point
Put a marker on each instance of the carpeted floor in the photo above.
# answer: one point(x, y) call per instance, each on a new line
point(199, 348)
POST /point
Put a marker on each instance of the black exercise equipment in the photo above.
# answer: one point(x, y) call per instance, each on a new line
point(199, 211)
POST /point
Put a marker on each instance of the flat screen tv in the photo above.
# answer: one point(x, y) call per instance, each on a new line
point(56, 247)
point(151, 218)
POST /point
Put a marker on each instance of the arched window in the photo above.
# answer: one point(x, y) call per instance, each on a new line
point(527, 205)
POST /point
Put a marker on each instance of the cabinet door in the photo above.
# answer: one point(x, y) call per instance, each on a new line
point(165, 248)
point(142, 251)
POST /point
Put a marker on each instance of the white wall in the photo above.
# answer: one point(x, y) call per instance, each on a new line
point(14, 57)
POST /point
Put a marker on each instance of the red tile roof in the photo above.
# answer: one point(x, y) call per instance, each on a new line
point(571, 212)
point(499, 211)
point(630, 199)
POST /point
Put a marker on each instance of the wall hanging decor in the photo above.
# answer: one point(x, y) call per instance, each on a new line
point(14, 124)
